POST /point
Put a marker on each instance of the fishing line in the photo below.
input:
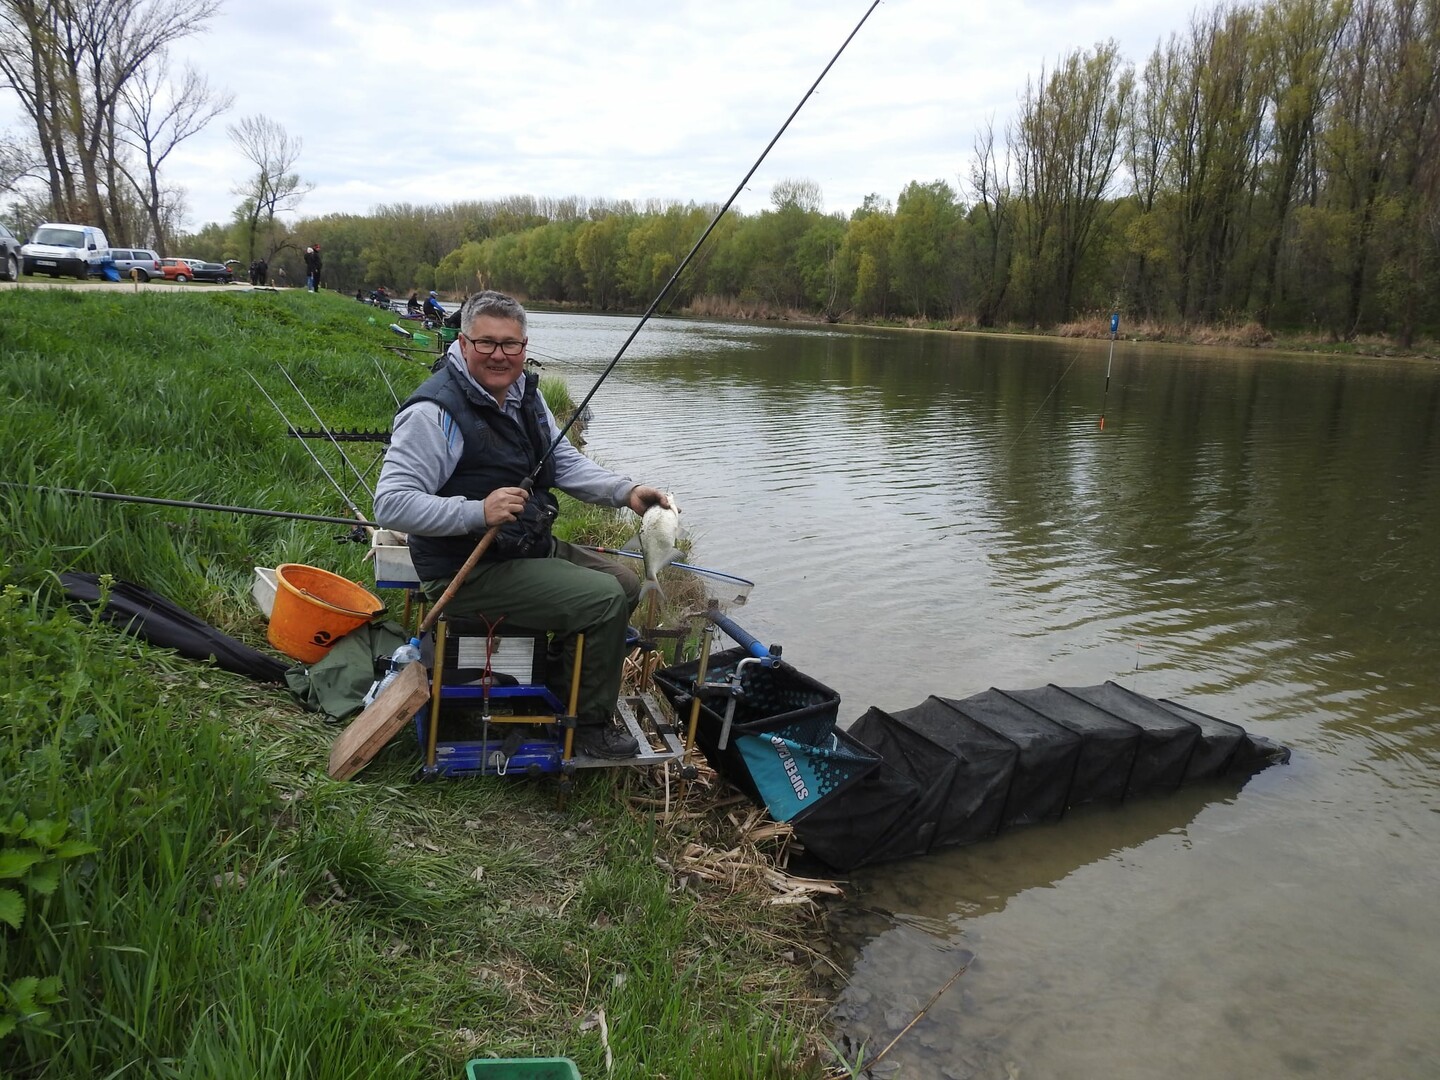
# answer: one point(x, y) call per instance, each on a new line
point(1046, 398)
point(579, 409)
point(553, 359)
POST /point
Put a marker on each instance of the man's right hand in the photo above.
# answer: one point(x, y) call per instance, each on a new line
point(504, 505)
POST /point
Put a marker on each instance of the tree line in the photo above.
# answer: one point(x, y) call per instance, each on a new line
point(1274, 162)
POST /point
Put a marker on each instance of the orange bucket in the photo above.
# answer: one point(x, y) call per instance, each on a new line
point(314, 609)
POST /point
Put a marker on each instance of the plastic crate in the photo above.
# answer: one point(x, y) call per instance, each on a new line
point(521, 1069)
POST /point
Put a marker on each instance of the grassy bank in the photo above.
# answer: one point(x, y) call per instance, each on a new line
point(182, 891)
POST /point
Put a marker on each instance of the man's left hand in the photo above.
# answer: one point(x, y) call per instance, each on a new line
point(642, 497)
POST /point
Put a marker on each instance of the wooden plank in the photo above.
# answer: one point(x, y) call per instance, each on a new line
point(382, 718)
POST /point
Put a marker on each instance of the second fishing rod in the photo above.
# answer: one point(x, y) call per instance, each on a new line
point(529, 482)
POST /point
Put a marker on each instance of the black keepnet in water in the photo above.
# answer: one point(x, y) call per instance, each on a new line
point(955, 771)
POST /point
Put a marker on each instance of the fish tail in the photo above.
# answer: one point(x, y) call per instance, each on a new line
point(650, 586)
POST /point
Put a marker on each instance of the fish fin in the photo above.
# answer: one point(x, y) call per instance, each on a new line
point(646, 589)
point(674, 555)
point(633, 544)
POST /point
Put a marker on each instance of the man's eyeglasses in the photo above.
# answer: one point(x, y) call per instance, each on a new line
point(486, 346)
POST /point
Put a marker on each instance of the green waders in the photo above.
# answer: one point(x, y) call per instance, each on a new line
point(574, 591)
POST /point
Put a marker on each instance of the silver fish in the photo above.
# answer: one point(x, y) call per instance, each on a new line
point(659, 529)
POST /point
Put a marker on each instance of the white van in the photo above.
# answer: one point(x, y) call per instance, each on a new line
point(74, 250)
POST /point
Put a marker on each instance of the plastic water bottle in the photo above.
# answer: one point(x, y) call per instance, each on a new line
point(404, 655)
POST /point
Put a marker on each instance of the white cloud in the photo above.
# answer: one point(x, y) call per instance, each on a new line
point(641, 99)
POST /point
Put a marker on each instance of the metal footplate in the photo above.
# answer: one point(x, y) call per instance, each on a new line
point(643, 719)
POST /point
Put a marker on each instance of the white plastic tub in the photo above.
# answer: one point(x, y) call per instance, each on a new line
point(393, 566)
point(263, 589)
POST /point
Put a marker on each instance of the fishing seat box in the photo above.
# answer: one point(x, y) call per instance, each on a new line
point(518, 660)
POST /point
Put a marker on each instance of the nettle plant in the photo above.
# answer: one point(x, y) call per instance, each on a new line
point(32, 856)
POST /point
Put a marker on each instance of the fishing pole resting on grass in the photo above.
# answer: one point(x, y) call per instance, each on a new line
point(187, 504)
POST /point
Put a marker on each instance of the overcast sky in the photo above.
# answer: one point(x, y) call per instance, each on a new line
point(632, 99)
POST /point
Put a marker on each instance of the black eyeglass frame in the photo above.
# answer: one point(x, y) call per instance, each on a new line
point(507, 348)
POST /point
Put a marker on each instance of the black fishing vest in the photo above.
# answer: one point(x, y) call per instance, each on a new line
point(497, 452)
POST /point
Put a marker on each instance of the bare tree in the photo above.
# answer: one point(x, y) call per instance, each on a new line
point(1148, 151)
point(990, 188)
point(802, 194)
point(19, 161)
point(1067, 146)
point(30, 66)
point(1297, 43)
point(273, 189)
point(1215, 118)
point(67, 61)
point(153, 121)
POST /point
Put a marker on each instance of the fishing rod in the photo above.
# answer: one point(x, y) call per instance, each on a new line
point(364, 486)
point(186, 504)
point(703, 237)
point(388, 385)
point(344, 495)
point(529, 482)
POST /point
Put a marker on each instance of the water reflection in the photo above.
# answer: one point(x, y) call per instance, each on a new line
point(1251, 535)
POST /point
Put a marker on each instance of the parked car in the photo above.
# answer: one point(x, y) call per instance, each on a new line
point(141, 259)
point(57, 248)
point(176, 270)
point(9, 255)
point(211, 271)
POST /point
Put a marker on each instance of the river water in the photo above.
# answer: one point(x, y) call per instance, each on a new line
point(1252, 534)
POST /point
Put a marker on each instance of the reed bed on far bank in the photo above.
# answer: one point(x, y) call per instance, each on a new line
point(182, 891)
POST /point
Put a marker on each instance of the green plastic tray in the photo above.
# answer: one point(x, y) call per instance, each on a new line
point(521, 1069)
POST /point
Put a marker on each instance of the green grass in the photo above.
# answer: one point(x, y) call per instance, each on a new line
point(242, 915)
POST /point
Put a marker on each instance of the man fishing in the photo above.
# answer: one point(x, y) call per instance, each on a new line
point(462, 446)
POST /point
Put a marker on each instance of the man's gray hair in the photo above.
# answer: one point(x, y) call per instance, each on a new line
point(490, 302)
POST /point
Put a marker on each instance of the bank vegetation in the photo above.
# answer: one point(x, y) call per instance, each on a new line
point(184, 893)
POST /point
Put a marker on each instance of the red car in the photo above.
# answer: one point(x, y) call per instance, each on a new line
point(177, 270)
